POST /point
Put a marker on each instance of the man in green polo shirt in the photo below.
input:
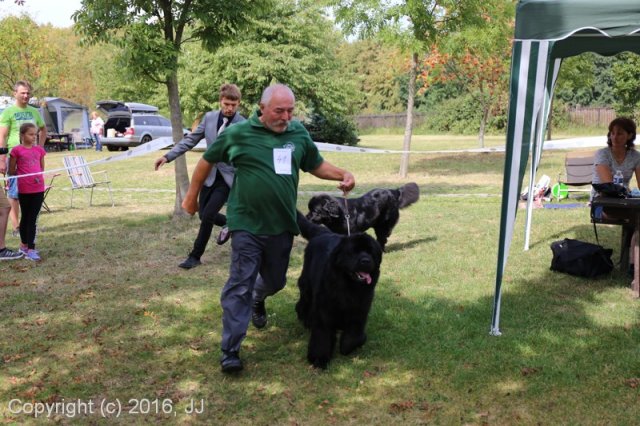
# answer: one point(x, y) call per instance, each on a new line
point(268, 152)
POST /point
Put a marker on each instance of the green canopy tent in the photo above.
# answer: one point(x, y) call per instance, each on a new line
point(547, 31)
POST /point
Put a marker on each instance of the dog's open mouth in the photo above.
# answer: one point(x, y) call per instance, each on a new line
point(364, 276)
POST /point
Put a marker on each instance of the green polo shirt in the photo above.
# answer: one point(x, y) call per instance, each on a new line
point(263, 196)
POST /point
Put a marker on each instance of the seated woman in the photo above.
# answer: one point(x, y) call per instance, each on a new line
point(619, 155)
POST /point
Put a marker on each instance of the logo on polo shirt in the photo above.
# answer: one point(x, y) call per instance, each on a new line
point(23, 116)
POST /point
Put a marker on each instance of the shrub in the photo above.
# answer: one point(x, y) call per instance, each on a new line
point(456, 115)
point(334, 129)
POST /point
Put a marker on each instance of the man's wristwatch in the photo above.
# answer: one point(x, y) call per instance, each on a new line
point(4, 151)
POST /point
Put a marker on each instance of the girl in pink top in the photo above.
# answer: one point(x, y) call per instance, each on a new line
point(28, 159)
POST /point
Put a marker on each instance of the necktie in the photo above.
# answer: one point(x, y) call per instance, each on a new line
point(225, 121)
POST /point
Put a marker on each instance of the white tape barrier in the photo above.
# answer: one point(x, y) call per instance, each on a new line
point(328, 147)
point(570, 143)
point(149, 147)
point(160, 143)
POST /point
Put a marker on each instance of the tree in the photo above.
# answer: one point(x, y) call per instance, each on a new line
point(292, 44)
point(414, 26)
point(26, 55)
point(477, 61)
point(377, 69)
point(626, 88)
point(151, 34)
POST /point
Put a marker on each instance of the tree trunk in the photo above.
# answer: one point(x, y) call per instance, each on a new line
point(483, 125)
point(180, 163)
point(408, 129)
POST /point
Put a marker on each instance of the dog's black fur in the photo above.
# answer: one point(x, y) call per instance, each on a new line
point(337, 284)
point(378, 209)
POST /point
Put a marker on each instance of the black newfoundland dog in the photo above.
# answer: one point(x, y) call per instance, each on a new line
point(378, 209)
point(337, 283)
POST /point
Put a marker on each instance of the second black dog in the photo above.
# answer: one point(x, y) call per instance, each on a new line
point(337, 284)
point(378, 209)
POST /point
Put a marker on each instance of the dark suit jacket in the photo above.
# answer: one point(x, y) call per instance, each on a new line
point(206, 129)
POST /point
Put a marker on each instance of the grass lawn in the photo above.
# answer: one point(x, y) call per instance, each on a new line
point(108, 322)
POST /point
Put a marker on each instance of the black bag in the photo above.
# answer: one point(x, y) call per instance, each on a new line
point(610, 189)
point(580, 258)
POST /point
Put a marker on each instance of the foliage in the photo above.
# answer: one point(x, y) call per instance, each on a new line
point(559, 115)
point(458, 115)
point(332, 129)
point(627, 86)
point(476, 61)
point(414, 25)
point(74, 70)
point(292, 44)
point(112, 80)
point(150, 35)
point(587, 80)
point(26, 55)
point(379, 70)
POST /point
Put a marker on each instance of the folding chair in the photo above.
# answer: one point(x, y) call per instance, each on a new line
point(578, 172)
point(81, 177)
point(47, 188)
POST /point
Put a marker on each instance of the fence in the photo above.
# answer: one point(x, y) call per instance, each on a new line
point(581, 116)
point(590, 117)
point(387, 120)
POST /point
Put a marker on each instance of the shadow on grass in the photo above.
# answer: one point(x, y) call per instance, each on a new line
point(455, 164)
point(408, 244)
point(108, 315)
point(607, 234)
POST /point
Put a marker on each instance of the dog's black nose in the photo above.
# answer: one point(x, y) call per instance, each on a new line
point(365, 261)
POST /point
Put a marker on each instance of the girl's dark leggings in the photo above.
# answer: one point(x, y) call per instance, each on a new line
point(30, 205)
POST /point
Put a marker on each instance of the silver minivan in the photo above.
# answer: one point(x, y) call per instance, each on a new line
point(130, 124)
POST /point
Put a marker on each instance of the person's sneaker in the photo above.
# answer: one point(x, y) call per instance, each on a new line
point(230, 362)
point(33, 254)
point(223, 236)
point(23, 250)
point(259, 314)
point(190, 262)
point(6, 254)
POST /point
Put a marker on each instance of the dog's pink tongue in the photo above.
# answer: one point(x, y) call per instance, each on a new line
point(367, 277)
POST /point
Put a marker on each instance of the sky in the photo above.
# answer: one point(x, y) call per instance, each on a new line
point(54, 12)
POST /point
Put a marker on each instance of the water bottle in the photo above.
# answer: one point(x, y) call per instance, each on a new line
point(618, 179)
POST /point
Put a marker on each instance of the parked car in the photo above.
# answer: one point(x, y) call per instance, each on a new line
point(130, 124)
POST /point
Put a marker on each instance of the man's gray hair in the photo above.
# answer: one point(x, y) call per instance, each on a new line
point(269, 91)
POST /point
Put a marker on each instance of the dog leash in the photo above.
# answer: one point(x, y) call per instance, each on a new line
point(346, 209)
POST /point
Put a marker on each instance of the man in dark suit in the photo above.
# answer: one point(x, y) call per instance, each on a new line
point(216, 188)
